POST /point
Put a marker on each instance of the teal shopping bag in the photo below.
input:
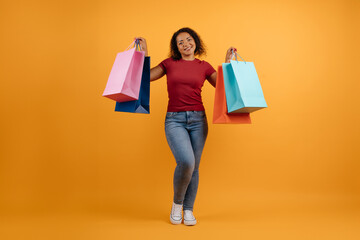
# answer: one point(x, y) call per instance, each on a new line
point(242, 87)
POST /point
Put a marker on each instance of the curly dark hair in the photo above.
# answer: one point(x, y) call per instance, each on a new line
point(200, 46)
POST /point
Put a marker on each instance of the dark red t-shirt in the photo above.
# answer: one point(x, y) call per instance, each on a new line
point(184, 82)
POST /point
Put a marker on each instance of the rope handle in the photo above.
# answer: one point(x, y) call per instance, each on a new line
point(130, 45)
point(236, 54)
point(135, 44)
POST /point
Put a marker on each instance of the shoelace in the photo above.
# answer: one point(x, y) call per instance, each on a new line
point(189, 215)
point(177, 210)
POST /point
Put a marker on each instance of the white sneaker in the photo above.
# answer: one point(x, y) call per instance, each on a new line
point(189, 218)
point(176, 213)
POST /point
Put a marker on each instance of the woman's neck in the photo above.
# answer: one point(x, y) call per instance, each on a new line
point(188, 58)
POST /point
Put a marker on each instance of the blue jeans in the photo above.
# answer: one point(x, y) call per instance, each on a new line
point(186, 134)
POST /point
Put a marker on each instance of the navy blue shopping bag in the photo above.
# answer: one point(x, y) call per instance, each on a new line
point(142, 104)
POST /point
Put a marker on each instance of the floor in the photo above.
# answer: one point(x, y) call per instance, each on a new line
point(253, 218)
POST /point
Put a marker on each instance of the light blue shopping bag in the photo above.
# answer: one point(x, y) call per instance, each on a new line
point(242, 87)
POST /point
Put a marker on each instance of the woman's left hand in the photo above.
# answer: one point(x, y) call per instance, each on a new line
point(230, 54)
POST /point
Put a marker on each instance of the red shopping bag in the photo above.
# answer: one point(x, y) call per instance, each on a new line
point(221, 114)
point(125, 77)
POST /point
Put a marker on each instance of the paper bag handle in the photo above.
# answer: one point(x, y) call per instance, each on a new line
point(135, 44)
point(235, 53)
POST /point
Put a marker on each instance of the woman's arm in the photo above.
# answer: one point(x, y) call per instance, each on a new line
point(212, 79)
point(156, 72)
point(228, 57)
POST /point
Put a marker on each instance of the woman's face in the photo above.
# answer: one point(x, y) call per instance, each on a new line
point(186, 44)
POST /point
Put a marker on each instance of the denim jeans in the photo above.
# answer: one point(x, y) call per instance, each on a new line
point(186, 134)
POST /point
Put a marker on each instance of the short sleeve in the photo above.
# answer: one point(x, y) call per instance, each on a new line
point(209, 70)
point(164, 64)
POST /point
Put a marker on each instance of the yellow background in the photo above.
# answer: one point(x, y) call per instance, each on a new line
point(292, 174)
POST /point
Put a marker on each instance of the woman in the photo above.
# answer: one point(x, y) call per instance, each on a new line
point(185, 123)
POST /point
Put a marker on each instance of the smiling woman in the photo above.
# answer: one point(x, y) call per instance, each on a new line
point(186, 46)
point(186, 124)
point(186, 37)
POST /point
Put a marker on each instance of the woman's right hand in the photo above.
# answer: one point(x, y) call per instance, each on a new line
point(143, 45)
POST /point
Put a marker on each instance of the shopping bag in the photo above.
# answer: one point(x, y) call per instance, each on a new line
point(220, 114)
point(125, 76)
point(242, 87)
point(141, 105)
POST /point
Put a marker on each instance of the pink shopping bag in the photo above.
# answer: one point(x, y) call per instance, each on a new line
point(125, 77)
